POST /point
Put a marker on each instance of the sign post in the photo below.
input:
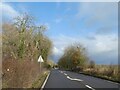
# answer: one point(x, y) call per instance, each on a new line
point(40, 60)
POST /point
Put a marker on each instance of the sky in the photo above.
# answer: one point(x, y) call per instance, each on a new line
point(92, 24)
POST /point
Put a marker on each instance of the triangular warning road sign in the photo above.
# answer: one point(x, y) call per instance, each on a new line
point(40, 59)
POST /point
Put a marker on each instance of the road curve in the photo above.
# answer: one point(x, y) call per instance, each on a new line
point(71, 80)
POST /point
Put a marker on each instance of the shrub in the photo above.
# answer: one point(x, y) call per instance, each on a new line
point(20, 74)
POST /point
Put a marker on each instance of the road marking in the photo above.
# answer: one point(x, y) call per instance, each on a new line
point(61, 71)
point(89, 87)
point(74, 79)
point(45, 81)
point(65, 74)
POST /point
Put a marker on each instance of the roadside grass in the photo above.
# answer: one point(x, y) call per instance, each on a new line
point(21, 74)
point(107, 72)
point(101, 76)
point(40, 80)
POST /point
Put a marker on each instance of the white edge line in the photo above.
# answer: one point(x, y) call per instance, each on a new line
point(45, 81)
point(89, 87)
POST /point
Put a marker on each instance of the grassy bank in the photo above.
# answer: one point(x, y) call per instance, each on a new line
point(108, 72)
point(101, 76)
point(21, 74)
point(40, 80)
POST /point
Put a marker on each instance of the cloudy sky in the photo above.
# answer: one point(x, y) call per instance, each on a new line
point(94, 25)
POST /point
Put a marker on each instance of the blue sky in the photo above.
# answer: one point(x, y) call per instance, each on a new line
point(94, 25)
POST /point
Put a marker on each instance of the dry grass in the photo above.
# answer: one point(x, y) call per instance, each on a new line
point(40, 80)
point(19, 74)
point(105, 71)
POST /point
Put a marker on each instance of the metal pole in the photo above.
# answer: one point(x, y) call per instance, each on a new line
point(40, 67)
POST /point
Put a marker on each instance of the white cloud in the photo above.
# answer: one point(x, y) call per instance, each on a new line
point(103, 44)
point(8, 11)
point(106, 43)
point(57, 51)
point(98, 49)
point(103, 13)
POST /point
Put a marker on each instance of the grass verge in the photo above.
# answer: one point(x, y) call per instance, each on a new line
point(39, 82)
point(100, 76)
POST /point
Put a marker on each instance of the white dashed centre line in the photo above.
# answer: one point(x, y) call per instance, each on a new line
point(89, 87)
point(65, 74)
point(74, 79)
point(61, 71)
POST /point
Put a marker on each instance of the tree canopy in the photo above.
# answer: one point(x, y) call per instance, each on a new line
point(23, 39)
point(74, 56)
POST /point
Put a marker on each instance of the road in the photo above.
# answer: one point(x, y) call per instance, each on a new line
point(66, 79)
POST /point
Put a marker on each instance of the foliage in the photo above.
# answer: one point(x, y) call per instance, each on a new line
point(21, 74)
point(40, 80)
point(92, 64)
point(75, 59)
point(74, 56)
point(109, 72)
point(23, 40)
point(22, 43)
